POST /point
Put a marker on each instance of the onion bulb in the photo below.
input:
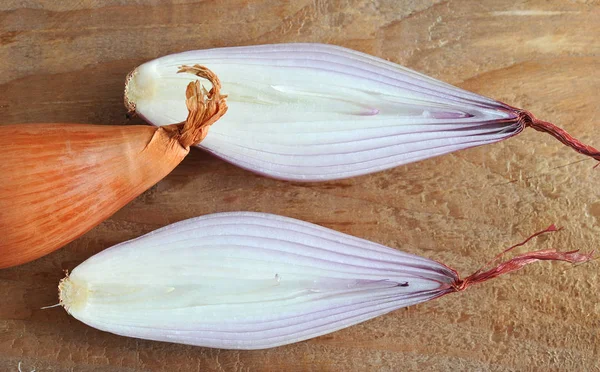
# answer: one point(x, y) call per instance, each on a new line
point(314, 112)
point(246, 280)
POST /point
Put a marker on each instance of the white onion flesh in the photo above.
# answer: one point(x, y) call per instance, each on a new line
point(314, 112)
point(246, 281)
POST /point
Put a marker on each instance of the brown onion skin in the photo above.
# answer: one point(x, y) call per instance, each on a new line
point(58, 181)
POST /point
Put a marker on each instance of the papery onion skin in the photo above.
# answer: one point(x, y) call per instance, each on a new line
point(57, 181)
point(60, 180)
point(315, 112)
point(246, 280)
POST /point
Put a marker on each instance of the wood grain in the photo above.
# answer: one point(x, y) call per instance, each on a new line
point(65, 61)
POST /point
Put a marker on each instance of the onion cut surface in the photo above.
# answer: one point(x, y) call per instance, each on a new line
point(315, 112)
point(246, 280)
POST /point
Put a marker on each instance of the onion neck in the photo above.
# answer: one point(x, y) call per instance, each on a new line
point(518, 262)
point(204, 107)
point(529, 120)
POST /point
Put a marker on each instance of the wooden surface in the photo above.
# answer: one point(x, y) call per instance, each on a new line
point(65, 61)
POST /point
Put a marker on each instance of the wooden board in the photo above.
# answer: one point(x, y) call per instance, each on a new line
point(65, 61)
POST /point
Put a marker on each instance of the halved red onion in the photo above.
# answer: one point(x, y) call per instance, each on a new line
point(250, 281)
point(314, 112)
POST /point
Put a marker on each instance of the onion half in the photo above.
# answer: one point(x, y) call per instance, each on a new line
point(315, 112)
point(247, 280)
